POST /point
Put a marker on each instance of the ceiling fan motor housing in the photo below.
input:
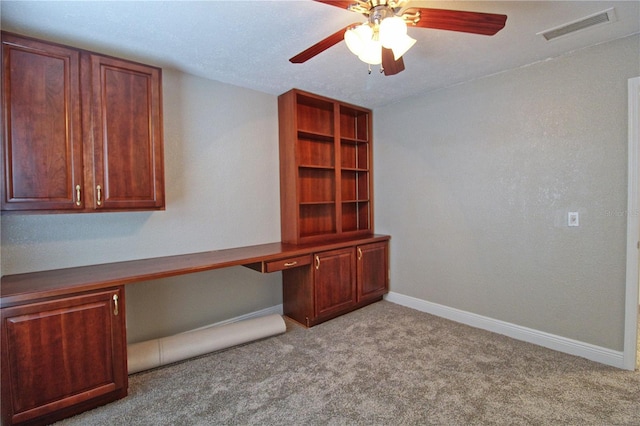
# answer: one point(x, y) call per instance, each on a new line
point(378, 13)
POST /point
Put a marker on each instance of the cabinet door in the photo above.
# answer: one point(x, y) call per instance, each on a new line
point(42, 149)
point(334, 281)
point(61, 354)
point(126, 116)
point(373, 272)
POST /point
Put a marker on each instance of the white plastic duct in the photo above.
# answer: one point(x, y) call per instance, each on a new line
point(155, 353)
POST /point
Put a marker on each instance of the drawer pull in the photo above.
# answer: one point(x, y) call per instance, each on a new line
point(78, 199)
point(359, 253)
point(99, 191)
point(289, 264)
point(115, 304)
point(317, 262)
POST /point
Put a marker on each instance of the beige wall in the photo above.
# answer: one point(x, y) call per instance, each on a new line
point(474, 182)
point(221, 167)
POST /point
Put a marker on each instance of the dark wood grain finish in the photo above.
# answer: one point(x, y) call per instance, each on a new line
point(127, 134)
point(341, 280)
point(82, 132)
point(42, 140)
point(298, 295)
point(23, 288)
point(321, 46)
point(390, 64)
point(458, 20)
point(337, 3)
point(63, 346)
point(61, 354)
point(334, 280)
point(325, 174)
point(373, 270)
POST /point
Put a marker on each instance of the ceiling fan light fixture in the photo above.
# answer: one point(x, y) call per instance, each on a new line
point(357, 38)
point(392, 31)
point(402, 46)
point(372, 52)
point(383, 38)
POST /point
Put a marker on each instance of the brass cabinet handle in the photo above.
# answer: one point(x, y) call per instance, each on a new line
point(99, 195)
point(317, 262)
point(359, 253)
point(78, 199)
point(115, 304)
point(288, 264)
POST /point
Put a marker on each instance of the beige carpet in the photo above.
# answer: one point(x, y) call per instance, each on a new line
point(382, 365)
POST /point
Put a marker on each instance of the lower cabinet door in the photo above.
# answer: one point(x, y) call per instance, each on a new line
point(63, 356)
point(334, 281)
point(373, 270)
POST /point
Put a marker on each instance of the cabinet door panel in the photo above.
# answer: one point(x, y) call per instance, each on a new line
point(334, 281)
point(42, 141)
point(61, 353)
point(372, 270)
point(127, 134)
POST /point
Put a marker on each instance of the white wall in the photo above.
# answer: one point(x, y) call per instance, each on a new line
point(222, 191)
point(474, 183)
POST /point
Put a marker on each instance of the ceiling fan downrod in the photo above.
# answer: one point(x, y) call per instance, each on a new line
point(366, 7)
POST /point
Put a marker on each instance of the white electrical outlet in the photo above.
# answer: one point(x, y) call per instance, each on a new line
point(573, 219)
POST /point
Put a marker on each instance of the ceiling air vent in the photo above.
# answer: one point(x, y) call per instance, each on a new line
point(600, 18)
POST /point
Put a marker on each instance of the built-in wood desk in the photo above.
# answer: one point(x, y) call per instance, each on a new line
point(63, 337)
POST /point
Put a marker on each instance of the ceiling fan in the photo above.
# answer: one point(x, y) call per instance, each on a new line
point(383, 39)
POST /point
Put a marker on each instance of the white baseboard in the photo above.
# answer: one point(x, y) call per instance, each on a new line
point(551, 341)
point(277, 309)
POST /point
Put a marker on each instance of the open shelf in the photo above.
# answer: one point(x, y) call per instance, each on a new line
point(314, 114)
point(354, 155)
point(354, 123)
point(325, 174)
point(354, 186)
point(316, 185)
point(317, 219)
point(356, 216)
point(317, 151)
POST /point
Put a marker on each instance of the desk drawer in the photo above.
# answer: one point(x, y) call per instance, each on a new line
point(291, 262)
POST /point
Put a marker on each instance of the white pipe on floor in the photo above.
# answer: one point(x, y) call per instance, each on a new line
point(157, 352)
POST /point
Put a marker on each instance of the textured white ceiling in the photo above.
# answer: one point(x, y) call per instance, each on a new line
point(248, 43)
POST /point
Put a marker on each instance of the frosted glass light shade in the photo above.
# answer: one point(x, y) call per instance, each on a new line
point(372, 52)
point(392, 30)
point(401, 46)
point(356, 38)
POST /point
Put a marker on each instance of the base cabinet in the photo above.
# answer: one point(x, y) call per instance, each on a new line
point(373, 271)
point(62, 356)
point(337, 282)
point(334, 278)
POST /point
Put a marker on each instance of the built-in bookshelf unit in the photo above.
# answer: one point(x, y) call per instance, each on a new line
point(325, 168)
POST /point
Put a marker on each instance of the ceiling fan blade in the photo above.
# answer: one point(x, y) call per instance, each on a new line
point(389, 63)
point(458, 20)
point(320, 46)
point(340, 4)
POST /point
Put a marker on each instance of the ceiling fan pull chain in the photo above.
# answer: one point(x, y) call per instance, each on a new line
point(369, 68)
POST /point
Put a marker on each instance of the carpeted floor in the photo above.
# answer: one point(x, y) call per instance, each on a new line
point(382, 365)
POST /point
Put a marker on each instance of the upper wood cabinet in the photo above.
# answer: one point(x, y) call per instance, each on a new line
point(81, 131)
point(325, 168)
